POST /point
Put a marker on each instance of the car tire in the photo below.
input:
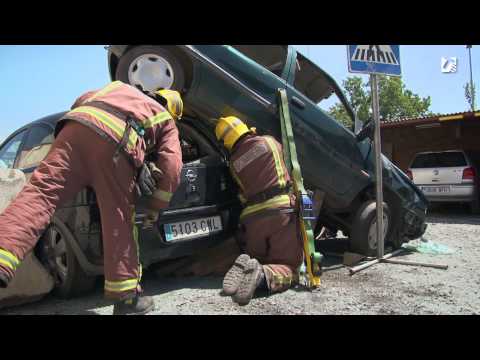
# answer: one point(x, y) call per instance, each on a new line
point(364, 223)
point(60, 259)
point(137, 63)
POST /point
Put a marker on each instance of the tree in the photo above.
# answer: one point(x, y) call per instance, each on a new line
point(359, 99)
point(470, 95)
point(395, 100)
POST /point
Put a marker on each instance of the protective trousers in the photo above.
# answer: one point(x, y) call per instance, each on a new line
point(79, 157)
point(274, 240)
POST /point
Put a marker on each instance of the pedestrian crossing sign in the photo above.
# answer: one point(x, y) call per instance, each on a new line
point(374, 59)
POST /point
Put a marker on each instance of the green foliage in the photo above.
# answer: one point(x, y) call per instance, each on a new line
point(339, 113)
point(395, 100)
point(358, 98)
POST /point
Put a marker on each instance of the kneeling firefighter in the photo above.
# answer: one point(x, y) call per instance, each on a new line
point(268, 223)
point(102, 143)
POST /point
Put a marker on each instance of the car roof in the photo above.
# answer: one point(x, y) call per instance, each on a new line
point(47, 120)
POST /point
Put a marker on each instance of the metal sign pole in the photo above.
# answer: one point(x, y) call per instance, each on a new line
point(469, 47)
point(378, 164)
point(374, 60)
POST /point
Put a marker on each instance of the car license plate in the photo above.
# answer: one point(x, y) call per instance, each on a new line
point(435, 189)
point(192, 229)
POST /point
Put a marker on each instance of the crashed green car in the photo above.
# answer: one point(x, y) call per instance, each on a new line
point(243, 80)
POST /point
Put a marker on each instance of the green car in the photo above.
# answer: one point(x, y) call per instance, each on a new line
point(243, 80)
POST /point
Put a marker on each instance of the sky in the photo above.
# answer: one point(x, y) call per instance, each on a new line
point(40, 80)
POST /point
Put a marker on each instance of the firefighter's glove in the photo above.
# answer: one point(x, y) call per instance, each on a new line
point(146, 182)
point(151, 217)
point(155, 171)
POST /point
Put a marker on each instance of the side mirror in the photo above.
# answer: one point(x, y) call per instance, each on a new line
point(366, 132)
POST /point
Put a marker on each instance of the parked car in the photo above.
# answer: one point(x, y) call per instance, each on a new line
point(203, 211)
point(243, 80)
point(448, 176)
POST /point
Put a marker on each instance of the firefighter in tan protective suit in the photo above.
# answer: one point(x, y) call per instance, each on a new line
point(268, 222)
point(102, 143)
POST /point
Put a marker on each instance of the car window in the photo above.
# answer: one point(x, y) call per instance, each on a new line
point(436, 160)
point(271, 57)
point(8, 152)
point(36, 146)
point(337, 111)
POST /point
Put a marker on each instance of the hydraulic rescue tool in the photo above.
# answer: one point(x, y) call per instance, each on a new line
point(304, 204)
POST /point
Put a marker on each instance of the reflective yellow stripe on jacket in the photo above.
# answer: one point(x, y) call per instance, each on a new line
point(107, 120)
point(277, 201)
point(278, 162)
point(157, 119)
point(110, 87)
point(8, 259)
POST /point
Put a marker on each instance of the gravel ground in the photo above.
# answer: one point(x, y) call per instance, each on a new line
point(380, 289)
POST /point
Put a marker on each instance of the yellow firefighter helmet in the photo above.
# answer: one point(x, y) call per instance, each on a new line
point(229, 129)
point(172, 101)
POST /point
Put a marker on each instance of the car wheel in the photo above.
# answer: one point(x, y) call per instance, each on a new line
point(363, 237)
point(70, 279)
point(150, 68)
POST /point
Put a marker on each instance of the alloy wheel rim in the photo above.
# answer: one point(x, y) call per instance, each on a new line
point(57, 255)
point(372, 232)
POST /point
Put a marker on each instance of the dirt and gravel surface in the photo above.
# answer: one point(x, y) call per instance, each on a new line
point(381, 289)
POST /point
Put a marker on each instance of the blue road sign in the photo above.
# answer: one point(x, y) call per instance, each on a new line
point(374, 59)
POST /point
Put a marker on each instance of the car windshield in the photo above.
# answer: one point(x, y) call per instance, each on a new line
point(436, 160)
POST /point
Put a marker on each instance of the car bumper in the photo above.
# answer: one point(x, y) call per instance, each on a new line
point(155, 248)
point(449, 193)
point(414, 225)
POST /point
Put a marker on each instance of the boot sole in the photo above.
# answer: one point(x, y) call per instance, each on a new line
point(146, 311)
point(234, 276)
point(249, 284)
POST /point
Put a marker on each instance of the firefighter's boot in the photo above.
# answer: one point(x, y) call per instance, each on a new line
point(139, 305)
point(234, 276)
point(253, 276)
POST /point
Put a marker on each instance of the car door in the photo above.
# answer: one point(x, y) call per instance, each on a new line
point(35, 148)
point(240, 80)
point(10, 149)
point(328, 152)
